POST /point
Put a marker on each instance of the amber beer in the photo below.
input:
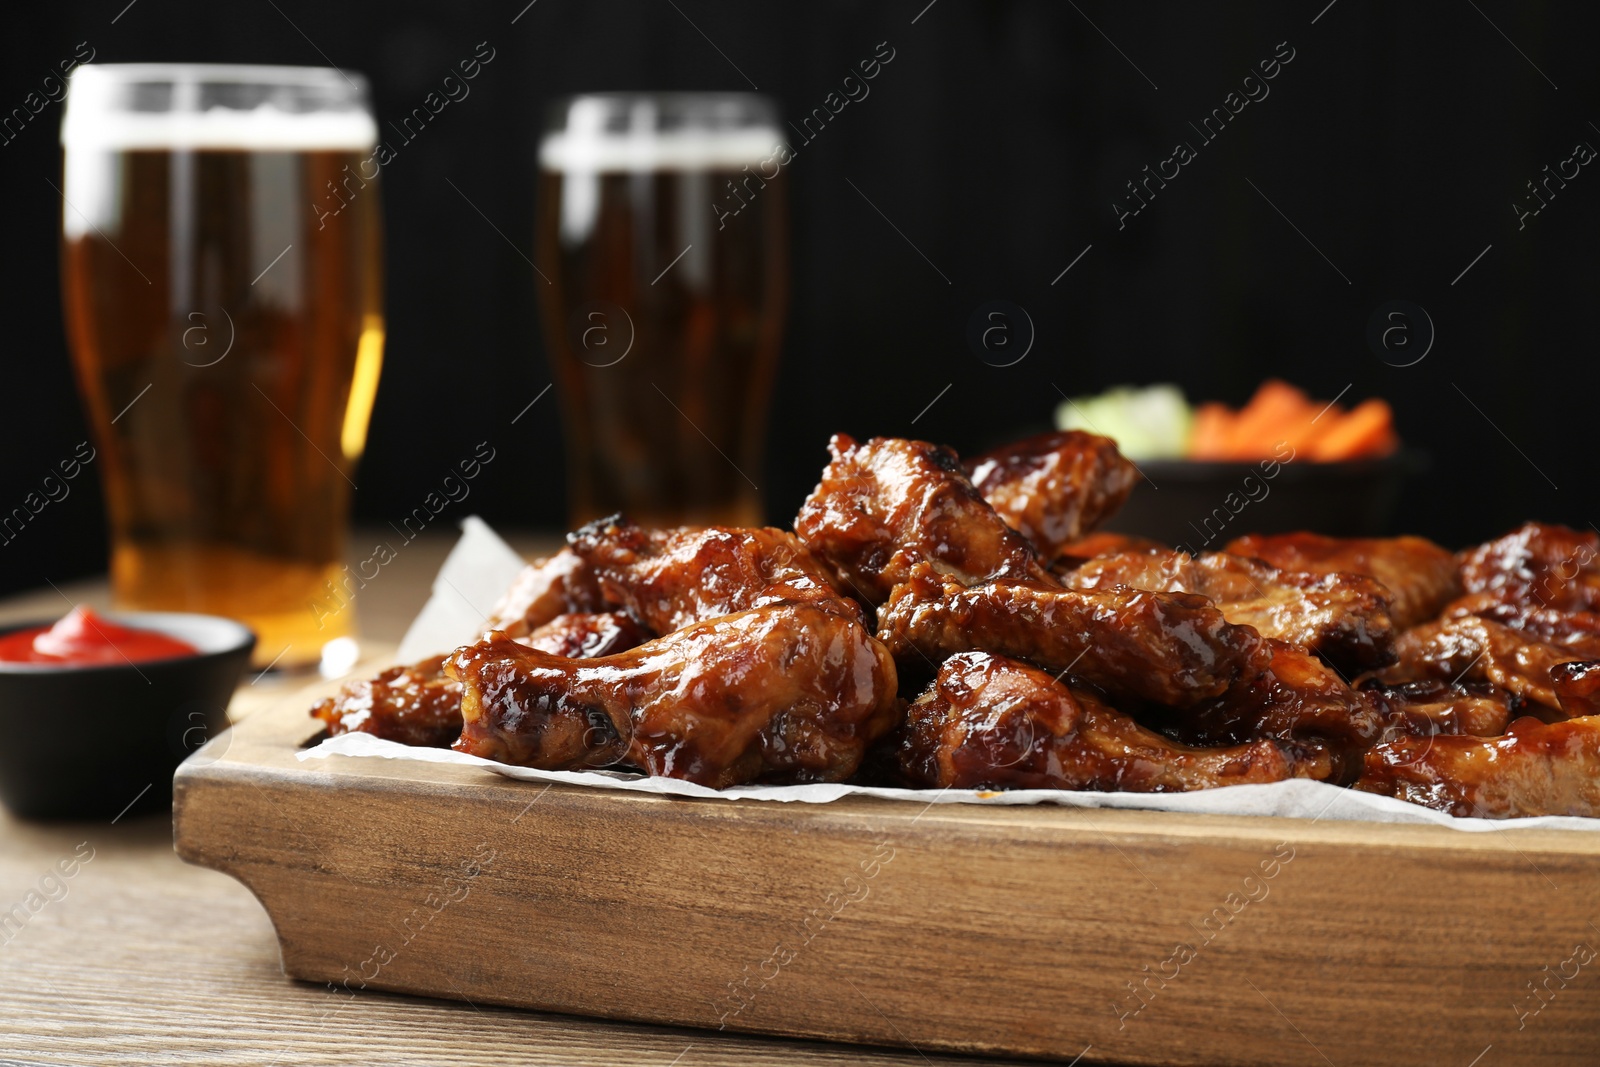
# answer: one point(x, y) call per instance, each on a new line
point(222, 281)
point(664, 244)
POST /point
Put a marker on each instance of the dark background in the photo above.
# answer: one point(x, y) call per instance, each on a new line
point(997, 140)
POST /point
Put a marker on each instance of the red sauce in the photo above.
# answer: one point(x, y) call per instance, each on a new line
point(85, 639)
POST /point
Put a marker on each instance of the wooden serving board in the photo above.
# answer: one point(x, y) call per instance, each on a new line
point(1115, 936)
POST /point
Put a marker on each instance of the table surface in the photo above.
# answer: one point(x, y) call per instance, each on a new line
point(141, 958)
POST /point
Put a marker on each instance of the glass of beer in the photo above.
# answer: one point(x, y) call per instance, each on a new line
point(222, 282)
point(662, 247)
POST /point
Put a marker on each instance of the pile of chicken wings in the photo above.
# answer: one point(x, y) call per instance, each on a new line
point(934, 623)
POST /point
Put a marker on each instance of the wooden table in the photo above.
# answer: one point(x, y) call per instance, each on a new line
point(141, 958)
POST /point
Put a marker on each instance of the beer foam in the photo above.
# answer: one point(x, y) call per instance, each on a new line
point(591, 150)
point(262, 129)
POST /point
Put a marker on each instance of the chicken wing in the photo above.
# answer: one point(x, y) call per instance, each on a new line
point(1425, 708)
point(1342, 617)
point(1540, 580)
point(1469, 648)
point(1577, 631)
point(1102, 543)
point(789, 693)
point(668, 579)
point(1054, 487)
point(587, 635)
point(889, 504)
point(1167, 648)
point(992, 722)
point(1296, 700)
point(414, 705)
point(421, 705)
point(1537, 564)
point(1577, 687)
point(559, 585)
point(1535, 769)
point(1419, 575)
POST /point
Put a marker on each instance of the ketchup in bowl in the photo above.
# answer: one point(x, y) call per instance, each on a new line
point(84, 639)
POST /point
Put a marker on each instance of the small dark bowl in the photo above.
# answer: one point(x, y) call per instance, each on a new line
point(86, 742)
point(1202, 506)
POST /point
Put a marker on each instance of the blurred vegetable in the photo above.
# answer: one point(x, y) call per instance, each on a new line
point(1151, 423)
point(1157, 423)
point(1368, 430)
point(1212, 425)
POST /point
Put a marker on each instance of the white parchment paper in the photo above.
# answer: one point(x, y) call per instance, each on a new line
point(482, 565)
point(478, 569)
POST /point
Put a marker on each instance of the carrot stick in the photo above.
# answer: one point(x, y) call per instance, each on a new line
point(1213, 428)
point(1276, 411)
point(1367, 430)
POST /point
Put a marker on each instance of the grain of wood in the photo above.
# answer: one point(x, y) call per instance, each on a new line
point(1034, 931)
point(146, 959)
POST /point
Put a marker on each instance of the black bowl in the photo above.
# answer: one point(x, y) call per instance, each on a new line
point(92, 742)
point(1201, 506)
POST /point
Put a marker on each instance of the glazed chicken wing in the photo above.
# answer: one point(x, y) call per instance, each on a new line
point(414, 705)
point(1103, 543)
point(668, 579)
point(788, 693)
point(1473, 649)
point(1419, 575)
point(1537, 564)
point(559, 585)
point(1055, 487)
point(991, 722)
point(421, 704)
point(1577, 631)
point(1167, 648)
point(1535, 769)
point(1425, 708)
point(889, 504)
point(587, 635)
point(1577, 687)
point(1342, 617)
point(1296, 700)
